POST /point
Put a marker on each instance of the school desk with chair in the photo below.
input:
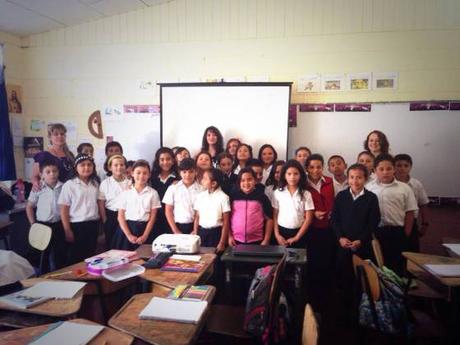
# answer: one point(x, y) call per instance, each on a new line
point(449, 280)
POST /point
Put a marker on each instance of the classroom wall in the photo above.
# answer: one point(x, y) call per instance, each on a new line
point(69, 73)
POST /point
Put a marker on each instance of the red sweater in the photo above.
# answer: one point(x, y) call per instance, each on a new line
point(323, 201)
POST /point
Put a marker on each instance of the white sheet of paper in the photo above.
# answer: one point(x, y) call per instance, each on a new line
point(55, 289)
point(194, 258)
point(455, 247)
point(444, 270)
point(173, 310)
point(69, 333)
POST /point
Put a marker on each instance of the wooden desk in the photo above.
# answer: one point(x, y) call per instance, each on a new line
point(4, 233)
point(49, 311)
point(97, 285)
point(451, 283)
point(170, 280)
point(153, 331)
point(25, 335)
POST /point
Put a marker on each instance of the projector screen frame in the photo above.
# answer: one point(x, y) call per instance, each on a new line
point(226, 84)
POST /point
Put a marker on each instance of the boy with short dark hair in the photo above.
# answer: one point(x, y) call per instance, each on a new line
point(180, 198)
point(48, 212)
point(337, 167)
point(258, 167)
point(321, 241)
point(403, 167)
point(397, 207)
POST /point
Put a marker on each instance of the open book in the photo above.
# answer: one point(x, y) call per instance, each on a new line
point(173, 310)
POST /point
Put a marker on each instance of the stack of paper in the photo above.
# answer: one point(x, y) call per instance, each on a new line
point(173, 310)
point(444, 270)
point(69, 333)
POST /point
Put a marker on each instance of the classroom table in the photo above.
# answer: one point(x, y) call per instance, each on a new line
point(170, 280)
point(97, 285)
point(154, 331)
point(451, 240)
point(50, 310)
point(452, 284)
point(26, 335)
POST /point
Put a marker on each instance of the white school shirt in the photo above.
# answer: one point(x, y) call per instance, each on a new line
point(317, 185)
point(395, 199)
point(357, 195)
point(110, 190)
point(237, 169)
point(182, 198)
point(211, 207)
point(46, 201)
point(269, 191)
point(138, 206)
point(81, 198)
point(419, 192)
point(266, 173)
point(291, 207)
point(338, 187)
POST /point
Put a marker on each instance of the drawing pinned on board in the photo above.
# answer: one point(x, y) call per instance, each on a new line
point(36, 125)
point(110, 110)
point(385, 81)
point(141, 109)
point(14, 95)
point(309, 83)
point(32, 146)
point(332, 82)
point(316, 107)
point(95, 124)
point(359, 81)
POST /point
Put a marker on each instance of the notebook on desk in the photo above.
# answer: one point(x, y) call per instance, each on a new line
point(257, 250)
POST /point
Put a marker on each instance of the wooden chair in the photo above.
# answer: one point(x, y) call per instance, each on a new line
point(368, 281)
point(39, 238)
point(229, 320)
point(421, 289)
point(377, 252)
point(310, 332)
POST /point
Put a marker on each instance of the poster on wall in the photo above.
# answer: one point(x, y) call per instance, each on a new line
point(32, 146)
point(359, 81)
point(14, 95)
point(141, 109)
point(332, 82)
point(17, 130)
point(309, 83)
point(385, 81)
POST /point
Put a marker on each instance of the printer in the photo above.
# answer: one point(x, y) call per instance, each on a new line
point(178, 243)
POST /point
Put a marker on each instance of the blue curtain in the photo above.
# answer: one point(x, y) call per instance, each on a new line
point(7, 166)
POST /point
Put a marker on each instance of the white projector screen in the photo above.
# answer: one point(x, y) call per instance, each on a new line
point(256, 113)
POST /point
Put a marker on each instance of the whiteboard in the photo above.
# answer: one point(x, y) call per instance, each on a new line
point(432, 138)
point(139, 134)
point(257, 113)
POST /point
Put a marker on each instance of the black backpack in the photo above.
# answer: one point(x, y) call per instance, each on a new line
point(256, 321)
